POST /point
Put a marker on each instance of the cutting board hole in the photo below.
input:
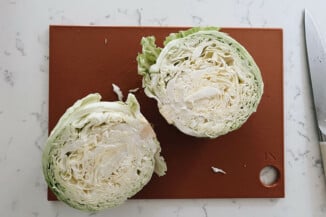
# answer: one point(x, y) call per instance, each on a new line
point(269, 176)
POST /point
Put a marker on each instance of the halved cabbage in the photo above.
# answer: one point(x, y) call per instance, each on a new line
point(205, 82)
point(101, 153)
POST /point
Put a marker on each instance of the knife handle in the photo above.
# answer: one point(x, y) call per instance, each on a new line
point(323, 154)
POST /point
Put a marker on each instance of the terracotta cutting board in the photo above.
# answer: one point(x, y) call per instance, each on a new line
point(89, 59)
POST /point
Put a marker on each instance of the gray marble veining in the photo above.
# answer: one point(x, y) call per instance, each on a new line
point(139, 16)
point(20, 44)
point(8, 77)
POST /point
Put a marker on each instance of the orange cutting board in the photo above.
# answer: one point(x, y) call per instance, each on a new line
point(84, 60)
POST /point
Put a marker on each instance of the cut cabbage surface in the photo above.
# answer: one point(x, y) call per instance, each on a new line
point(204, 81)
point(101, 153)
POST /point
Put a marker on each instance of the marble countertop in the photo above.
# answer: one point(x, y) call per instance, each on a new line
point(24, 100)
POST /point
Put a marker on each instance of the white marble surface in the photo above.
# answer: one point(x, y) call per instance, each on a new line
point(24, 100)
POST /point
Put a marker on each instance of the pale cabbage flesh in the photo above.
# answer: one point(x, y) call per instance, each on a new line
point(205, 83)
point(101, 153)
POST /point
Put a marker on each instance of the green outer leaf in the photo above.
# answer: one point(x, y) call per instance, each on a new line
point(149, 54)
point(185, 33)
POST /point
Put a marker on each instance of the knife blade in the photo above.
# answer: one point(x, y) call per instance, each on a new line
point(316, 55)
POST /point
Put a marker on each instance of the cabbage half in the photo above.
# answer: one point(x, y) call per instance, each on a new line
point(101, 153)
point(205, 82)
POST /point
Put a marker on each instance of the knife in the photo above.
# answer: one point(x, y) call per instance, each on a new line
point(317, 67)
